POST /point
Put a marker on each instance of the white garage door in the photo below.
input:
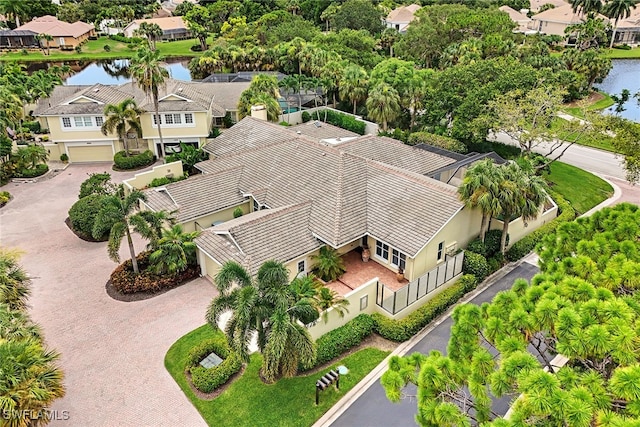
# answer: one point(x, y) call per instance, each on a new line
point(90, 153)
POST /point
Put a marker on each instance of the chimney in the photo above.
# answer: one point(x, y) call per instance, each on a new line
point(259, 112)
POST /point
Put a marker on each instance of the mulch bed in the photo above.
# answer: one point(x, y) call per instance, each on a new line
point(217, 392)
point(139, 296)
point(81, 235)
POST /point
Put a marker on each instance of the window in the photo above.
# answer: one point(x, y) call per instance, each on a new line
point(382, 250)
point(155, 119)
point(177, 119)
point(78, 122)
point(364, 302)
point(173, 119)
point(168, 119)
point(99, 121)
point(440, 250)
point(301, 267)
point(188, 118)
point(256, 206)
point(398, 258)
point(66, 122)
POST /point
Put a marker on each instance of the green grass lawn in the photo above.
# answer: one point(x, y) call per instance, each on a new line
point(602, 142)
point(250, 402)
point(94, 49)
point(581, 188)
point(598, 105)
point(622, 54)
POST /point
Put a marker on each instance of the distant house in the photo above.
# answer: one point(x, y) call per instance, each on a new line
point(628, 29)
point(65, 35)
point(400, 17)
point(173, 27)
point(520, 19)
point(18, 39)
point(535, 5)
point(555, 21)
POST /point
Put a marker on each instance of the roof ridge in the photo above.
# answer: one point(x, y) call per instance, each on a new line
point(415, 177)
point(338, 217)
point(272, 213)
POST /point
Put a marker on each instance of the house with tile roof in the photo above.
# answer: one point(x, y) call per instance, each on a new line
point(400, 17)
point(65, 35)
point(300, 189)
point(520, 19)
point(188, 110)
point(628, 29)
point(173, 27)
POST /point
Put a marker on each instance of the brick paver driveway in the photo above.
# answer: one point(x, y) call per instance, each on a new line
point(112, 352)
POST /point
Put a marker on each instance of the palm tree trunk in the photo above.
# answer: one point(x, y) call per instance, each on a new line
point(613, 35)
point(505, 232)
point(134, 261)
point(157, 108)
point(483, 227)
point(354, 107)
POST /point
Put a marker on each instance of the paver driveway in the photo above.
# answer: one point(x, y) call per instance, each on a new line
point(112, 352)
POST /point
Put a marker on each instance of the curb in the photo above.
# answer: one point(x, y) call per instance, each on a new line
point(617, 194)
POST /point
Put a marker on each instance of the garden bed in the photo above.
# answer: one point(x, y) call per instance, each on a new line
point(81, 235)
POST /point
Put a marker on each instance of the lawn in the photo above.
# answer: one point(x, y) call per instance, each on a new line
point(622, 54)
point(581, 188)
point(94, 49)
point(599, 103)
point(603, 142)
point(250, 402)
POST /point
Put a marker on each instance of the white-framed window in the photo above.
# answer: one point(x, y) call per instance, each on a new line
point(174, 119)
point(82, 122)
point(155, 120)
point(188, 118)
point(66, 122)
point(398, 259)
point(168, 119)
point(364, 302)
point(99, 121)
point(382, 250)
point(440, 251)
point(302, 266)
point(256, 205)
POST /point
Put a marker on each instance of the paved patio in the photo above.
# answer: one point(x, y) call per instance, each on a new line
point(359, 272)
point(112, 352)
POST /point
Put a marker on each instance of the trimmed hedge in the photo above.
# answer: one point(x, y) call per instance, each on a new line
point(125, 281)
point(445, 142)
point(334, 343)
point(123, 39)
point(133, 161)
point(529, 242)
point(39, 170)
point(475, 264)
point(208, 379)
point(341, 120)
point(97, 183)
point(402, 330)
point(82, 216)
point(158, 182)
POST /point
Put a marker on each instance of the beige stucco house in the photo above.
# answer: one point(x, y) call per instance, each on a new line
point(65, 35)
point(188, 110)
point(535, 5)
point(173, 27)
point(522, 21)
point(400, 18)
point(628, 29)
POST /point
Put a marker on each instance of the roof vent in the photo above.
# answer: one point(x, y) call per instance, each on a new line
point(179, 89)
point(96, 90)
point(317, 124)
point(298, 132)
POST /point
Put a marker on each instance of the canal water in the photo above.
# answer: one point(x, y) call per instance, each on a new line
point(625, 74)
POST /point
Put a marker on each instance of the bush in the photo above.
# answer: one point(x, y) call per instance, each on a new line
point(32, 126)
point(445, 142)
point(195, 48)
point(305, 117)
point(123, 39)
point(237, 212)
point(159, 182)
point(334, 343)
point(529, 242)
point(5, 196)
point(285, 124)
point(402, 330)
point(477, 246)
point(125, 281)
point(39, 170)
point(475, 264)
point(82, 216)
point(214, 133)
point(341, 120)
point(622, 47)
point(64, 157)
point(78, 49)
point(208, 379)
point(492, 241)
point(107, 48)
point(97, 183)
point(133, 161)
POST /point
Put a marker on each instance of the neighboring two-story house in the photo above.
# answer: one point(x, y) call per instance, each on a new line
point(188, 110)
point(400, 18)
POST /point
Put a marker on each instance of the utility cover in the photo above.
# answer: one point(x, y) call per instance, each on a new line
point(211, 360)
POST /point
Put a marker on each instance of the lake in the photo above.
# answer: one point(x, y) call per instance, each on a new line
point(625, 74)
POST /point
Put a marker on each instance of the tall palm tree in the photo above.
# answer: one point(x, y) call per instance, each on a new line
point(325, 298)
point(15, 284)
point(616, 10)
point(149, 75)
point(152, 32)
point(11, 111)
point(32, 155)
point(353, 85)
point(174, 250)
point(249, 98)
point(383, 104)
point(121, 118)
point(479, 189)
point(121, 210)
point(14, 9)
point(586, 7)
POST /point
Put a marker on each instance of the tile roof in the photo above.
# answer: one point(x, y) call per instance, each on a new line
point(562, 14)
point(165, 23)
point(514, 15)
point(51, 25)
point(281, 234)
point(535, 5)
point(403, 13)
point(320, 130)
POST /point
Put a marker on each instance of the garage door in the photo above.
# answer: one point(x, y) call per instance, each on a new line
point(91, 153)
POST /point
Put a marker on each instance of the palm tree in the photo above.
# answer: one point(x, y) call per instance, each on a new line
point(11, 111)
point(14, 9)
point(48, 38)
point(16, 325)
point(249, 98)
point(325, 298)
point(383, 104)
point(152, 32)
point(586, 7)
point(328, 264)
point(616, 10)
point(174, 251)
point(147, 72)
point(15, 284)
point(479, 189)
point(120, 209)
point(353, 85)
point(120, 118)
point(31, 155)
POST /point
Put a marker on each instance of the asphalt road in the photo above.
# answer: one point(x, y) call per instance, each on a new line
point(372, 409)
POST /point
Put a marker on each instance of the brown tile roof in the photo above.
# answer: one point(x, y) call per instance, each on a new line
point(514, 15)
point(281, 234)
point(51, 25)
point(165, 23)
point(562, 14)
point(403, 13)
point(535, 5)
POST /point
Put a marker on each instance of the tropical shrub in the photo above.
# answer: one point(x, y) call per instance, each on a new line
point(107, 48)
point(237, 212)
point(189, 156)
point(5, 196)
point(33, 126)
point(477, 246)
point(208, 379)
point(445, 142)
point(64, 157)
point(159, 182)
point(97, 183)
point(123, 39)
point(305, 117)
point(475, 264)
point(82, 216)
point(334, 343)
point(39, 170)
point(133, 161)
point(492, 242)
point(328, 264)
point(402, 330)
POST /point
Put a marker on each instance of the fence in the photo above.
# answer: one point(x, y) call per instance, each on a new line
point(395, 301)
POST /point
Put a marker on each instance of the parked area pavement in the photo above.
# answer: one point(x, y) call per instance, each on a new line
point(112, 352)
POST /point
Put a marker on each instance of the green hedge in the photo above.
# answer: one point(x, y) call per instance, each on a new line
point(97, 183)
point(133, 161)
point(39, 170)
point(445, 142)
point(475, 264)
point(402, 330)
point(341, 120)
point(208, 379)
point(158, 182)
point(123, 39)
point(82, 216)
point(529, 242)
point(33, 126)
point(334, 343)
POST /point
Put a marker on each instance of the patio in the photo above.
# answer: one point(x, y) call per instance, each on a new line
point(359, 272)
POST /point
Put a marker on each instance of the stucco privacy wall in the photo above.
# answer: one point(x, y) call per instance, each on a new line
point(517, 228)
point(207, 221)
point(143, 179)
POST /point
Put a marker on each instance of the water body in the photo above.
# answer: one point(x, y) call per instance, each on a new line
point(625, 74)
